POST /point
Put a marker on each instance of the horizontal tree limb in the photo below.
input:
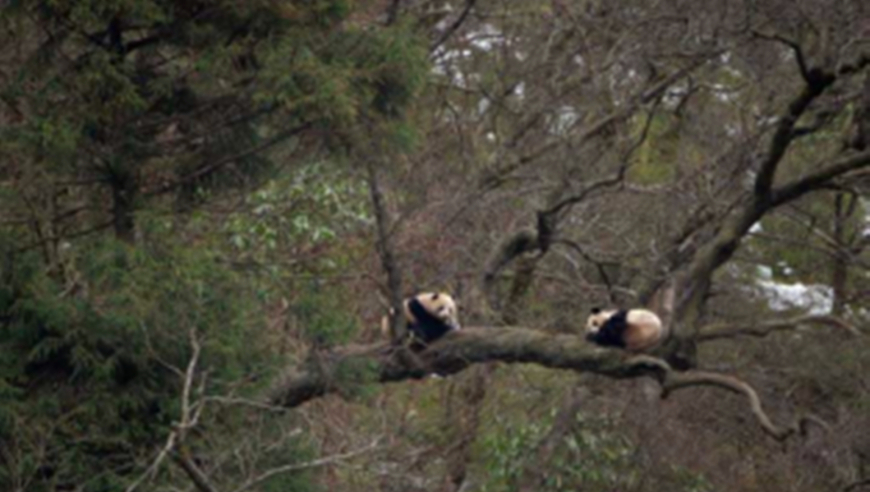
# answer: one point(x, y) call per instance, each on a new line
point(459, 350)
point(814, 180)
point(452, 354)
point(679, 380)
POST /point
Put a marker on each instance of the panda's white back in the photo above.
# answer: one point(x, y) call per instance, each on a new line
point(646, 329)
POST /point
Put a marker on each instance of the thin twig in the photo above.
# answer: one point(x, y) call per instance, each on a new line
point(329, 460)
point(469, 4)
point(798, 52)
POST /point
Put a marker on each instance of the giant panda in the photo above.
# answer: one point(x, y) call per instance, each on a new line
point(429, 316)
point(634, 330)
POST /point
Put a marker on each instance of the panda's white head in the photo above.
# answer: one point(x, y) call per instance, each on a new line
point(441, 306)
point(597, 318)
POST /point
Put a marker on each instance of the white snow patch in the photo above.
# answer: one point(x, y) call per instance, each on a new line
point(482, 106)
point(486, 37)
point(815, 298)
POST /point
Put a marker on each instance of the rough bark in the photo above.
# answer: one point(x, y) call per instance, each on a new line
point(693, 284)
point(452, 354)
point(459, 350)
point(386, 253)
point(527, 242)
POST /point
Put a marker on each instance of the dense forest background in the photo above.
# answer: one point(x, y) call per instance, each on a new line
point(206, 206)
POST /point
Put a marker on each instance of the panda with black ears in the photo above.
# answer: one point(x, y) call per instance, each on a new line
point(429, 316)
point(635, 330)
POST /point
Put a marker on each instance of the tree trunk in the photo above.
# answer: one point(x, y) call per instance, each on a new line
point(840, 263)
point(387, 256)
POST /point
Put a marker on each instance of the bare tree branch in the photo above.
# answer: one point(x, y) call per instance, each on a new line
point(197, 476)
point(469, 4)
point(599, 266)
point(764, 328)
point(784, 133)
point(525, 241)
point(325, 461)
point(606, 122)
point(178, 433)
point(459, 350)
point(672, 380)
point(151, 471)
point(696, 281)
point(798, 52)
point(679, 380)
point(813, 181)
point(386, 251)
point(817, 82)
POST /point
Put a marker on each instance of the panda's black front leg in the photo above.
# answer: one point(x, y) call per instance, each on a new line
point(603, 338)
point(611, 334)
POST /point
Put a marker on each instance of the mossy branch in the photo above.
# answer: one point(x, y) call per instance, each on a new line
point(452, 354)
point(459, 350)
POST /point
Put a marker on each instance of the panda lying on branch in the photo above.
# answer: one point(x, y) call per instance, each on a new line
point(429, 316)
point(634, 330)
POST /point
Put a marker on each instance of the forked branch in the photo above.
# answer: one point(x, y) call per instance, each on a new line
point(679, 380)
point(671, 381)
point(459, 350)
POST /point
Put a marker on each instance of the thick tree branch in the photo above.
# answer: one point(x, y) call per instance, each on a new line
point(695, 282)
point(679, 380)
point(813, 181)
point(452, 354)
point(764, 328)
point(459, 350)
point(386, 251)
point(735, 227)
point(817, 82)
point(197, 476)
point(671, 381)
point(798, 52)
point(523, 245)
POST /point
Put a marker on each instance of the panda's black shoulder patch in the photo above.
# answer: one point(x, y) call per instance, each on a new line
point(428, 328)
point(612, 334)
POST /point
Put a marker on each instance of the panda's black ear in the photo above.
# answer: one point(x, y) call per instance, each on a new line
point(595, 310)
